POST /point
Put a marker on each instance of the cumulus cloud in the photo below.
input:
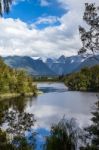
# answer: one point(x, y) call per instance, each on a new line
point(19, 38)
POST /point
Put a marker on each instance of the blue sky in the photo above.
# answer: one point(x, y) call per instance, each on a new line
point(42, 28)
point(30, 10)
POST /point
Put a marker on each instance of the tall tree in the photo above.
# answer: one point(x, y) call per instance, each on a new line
point(90, 37)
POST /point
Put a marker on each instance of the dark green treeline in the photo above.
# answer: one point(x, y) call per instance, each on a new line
point(85, 80)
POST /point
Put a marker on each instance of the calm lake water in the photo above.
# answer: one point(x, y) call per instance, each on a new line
point(57, 101)
point(54, 103)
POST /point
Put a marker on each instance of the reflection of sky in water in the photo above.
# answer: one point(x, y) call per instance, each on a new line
point(50, 107)
point(40, 139)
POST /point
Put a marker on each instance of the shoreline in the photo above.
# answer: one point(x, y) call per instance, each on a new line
point(15, 95)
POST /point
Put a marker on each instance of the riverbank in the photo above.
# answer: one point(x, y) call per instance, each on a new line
point(87, 79)
point(15, 95)
point(9, 95)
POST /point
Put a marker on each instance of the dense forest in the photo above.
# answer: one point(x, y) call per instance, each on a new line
point(85, 80)
point(15, 81)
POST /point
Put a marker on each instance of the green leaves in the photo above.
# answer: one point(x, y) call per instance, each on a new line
point(13, 81)
point(90, 38)
point(63, 136)
point(85, 80)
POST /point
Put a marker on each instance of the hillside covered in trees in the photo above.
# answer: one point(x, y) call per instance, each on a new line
point(15, 81)
point(85, 80)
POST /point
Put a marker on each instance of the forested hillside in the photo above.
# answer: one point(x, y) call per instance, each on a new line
point(14, 81)
point(85, 80)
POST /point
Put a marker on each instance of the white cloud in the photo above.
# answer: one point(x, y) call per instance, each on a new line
point(44, 3)
point(18, 38)
point(46, 20)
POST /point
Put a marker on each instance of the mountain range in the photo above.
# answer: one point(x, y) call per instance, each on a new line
point(51, 66)
point(33, 67)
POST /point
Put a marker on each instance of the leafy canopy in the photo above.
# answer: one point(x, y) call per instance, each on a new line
point(90, 36)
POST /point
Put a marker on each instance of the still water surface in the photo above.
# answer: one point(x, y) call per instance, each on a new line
point(54, 103)
point(57, 101)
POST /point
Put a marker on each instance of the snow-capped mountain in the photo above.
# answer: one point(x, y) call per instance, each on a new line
point(51, 66)
point(64, 65)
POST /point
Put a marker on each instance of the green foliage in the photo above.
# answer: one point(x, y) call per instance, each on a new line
point(85, 80)
point(18, 123)
point(90, 35)
point(63, 136)
point(93, 131)
point(21, 143)
point(13, 81)
point(4, 143)
point(46, 78)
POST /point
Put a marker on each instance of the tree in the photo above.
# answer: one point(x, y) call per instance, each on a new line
point(18, 123)
point(5, 6)
point(90, 38)
point(18, 143)
point(93, 130)
point(4, 144)
point(85, 80)
point(15, 81)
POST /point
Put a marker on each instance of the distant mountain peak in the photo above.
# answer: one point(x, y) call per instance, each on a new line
point(52, 66)
point(32, 66)
point(62, 59)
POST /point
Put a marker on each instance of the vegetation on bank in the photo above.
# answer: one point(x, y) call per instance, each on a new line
point(67, 136)
point(18, 143)
point(63, 136)
point(92, 132)
point(14, 83)
point(85, 80)
point(46, 78)
point(13, 136)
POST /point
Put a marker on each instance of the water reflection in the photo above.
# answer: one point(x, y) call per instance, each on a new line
point(52, 87)
point(15, 121)
point(50, 107)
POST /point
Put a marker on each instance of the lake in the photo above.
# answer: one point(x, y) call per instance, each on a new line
point(54, 103)
point(57, 101)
